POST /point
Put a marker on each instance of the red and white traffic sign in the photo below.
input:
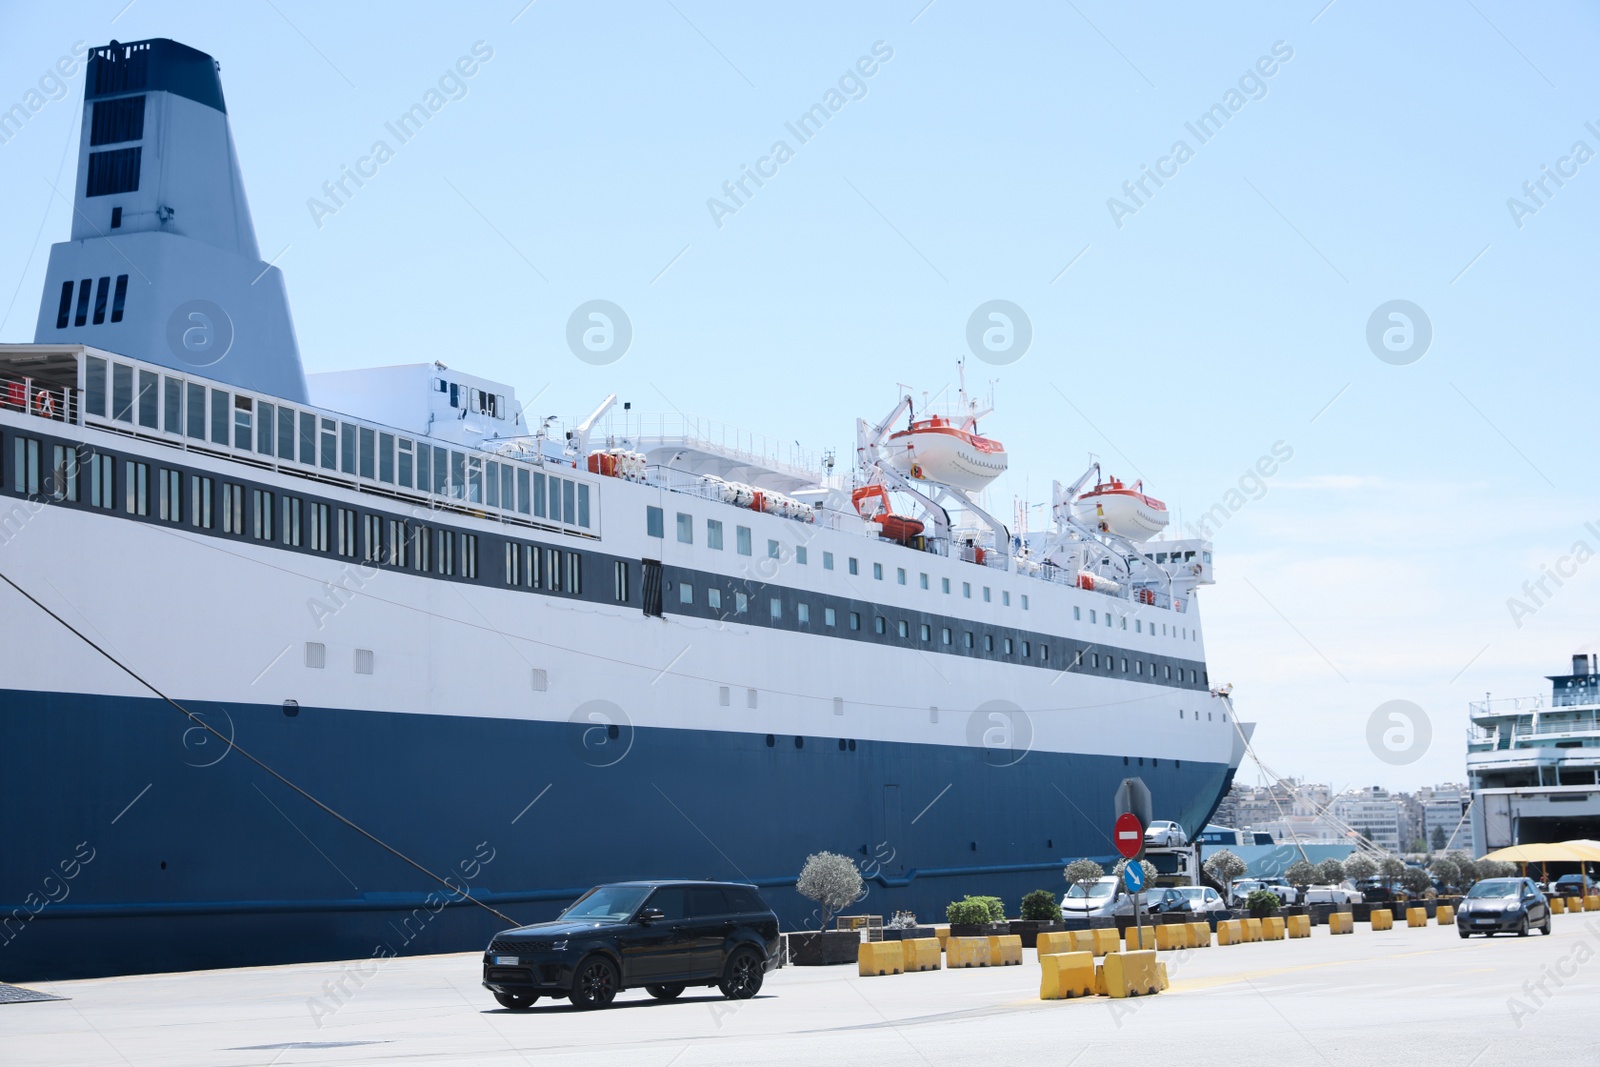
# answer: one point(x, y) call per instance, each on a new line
point(1128, 835)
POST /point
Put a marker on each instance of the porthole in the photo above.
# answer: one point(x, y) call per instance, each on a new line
point(852, 744)
point(771, 740)
point(841, 744)
point(799, 742)
point(291, 708)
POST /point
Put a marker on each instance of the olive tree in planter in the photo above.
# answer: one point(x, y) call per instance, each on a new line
point(1301, 873)
point(1358, 868)
point(1083, 872)
point(1040, 913)
point(834, 883)
point(1225, 866)
point(1448, 871)
point(903, 926)
point(1416, 883)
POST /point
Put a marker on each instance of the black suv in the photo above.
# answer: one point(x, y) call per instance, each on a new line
point(663, 936)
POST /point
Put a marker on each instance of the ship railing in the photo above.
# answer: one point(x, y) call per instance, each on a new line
point(42, 400)
point(703, 487)
point(646, 431)
point(1508, 705)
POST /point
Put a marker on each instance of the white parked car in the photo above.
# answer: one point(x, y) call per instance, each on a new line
point(1332, 894)
point(1202, 898)
point(1163, 833)
point(1287, 893)
point(1103, 898)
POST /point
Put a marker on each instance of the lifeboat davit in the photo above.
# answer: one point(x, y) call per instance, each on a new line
point(901, 528)
point(1126, 511)
point(937, 450)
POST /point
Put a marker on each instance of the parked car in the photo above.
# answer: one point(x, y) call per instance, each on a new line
point(1572, 885)
point(1200, 899)
point(661, 935)
point(1503, 905)
point(1165, 834)
point(1166, 900)
point(1287, 894)
point(1105, 898)
point(1333, 894)
point(1378, 891)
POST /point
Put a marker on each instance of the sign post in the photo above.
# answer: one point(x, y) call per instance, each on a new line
point(1128, 834)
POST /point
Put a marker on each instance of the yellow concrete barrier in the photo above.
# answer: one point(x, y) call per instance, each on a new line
point(1252, 929)
point(1557, 905)
point(1132, 974)
point(921, 954)
point(1139, 937)
point(1172, 935)
point(1341, 922)
point(1005, 950)
point(1104, 940)
point(943, 934)
point(1416, 916)
point(1066, 974)
point(1382, 920)
point(1298, 926)
point(966, 952)
point(1099, 980)
point(1445, 915)
point(1161, 973)
point(1591, 903)
point(881, 957)
point(1574, 903)
point(1052, 942)
point(1230, 932)
point(1272, 928)
point(1200, 934)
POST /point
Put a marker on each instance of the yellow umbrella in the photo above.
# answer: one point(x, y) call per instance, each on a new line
point(1579, 852)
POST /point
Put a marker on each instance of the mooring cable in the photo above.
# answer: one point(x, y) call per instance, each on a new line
point(234, 746)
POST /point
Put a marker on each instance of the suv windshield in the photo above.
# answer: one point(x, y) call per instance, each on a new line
point(1499, 887)
point(608, 903)
point(1096, 891)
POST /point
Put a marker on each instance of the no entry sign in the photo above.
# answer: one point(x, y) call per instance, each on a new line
point(1128, 835)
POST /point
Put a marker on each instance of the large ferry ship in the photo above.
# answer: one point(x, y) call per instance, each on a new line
point(364, 663)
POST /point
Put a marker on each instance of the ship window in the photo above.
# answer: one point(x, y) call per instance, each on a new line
point(1006, 646)
point(101, 292)
point(441, 471)
point(714, 533)
point(1138, 667)
point(95, 385)
point(172, 405)
point(261, 514)
point(944, 585)
point(724, 699)
point(827, 561)
point(988, 642)
point(900, 575)
point(445, 559)
point(1124, 622)
point(371, 538)
point(966, 590)
point(119, 296)
point(347, 448)
point(855, 620)
point(1108, 618)
point(386, 458)
point(26, 474)
point(685, 529)
point(574, 573)
point(317, 521)
point(232, 508)
point(828, 617)
point(944, 635)
point(927, 632)
point(1124, 664)
point(714, 598)
point(220, 409)
point(422, 542)
point(902, 629)
point(539, 501)
point(200, 502)
point(64, 473)
point(924, 581)
point(64, 312)
point(455, 395)
point(877, 571)
point(1044, 653)
point(741, 603)
point(121, 392)
point(1094, 660)
point(116, 171)
point(137, 497)
point(329, 440)
point(1077, 614)
point(777, 607)
point(508, 486)
point(619, 581)
point(569, 513)
point(285, 433)
point(802, 613)
point(1005, 598)
point(266, 425)
point(986, 597)
point(308, 438)
point(685, 593)
point(491, 485)
point(116, 218)
point(475, 479)
point(967, 638)
point(880, 624)
point(1138, 626)
point(654, 518)
point(741, 537)
point(800, 555)
point(1027, 649)
point(513, 573)
point(345, 524)
point(241, 423)
point(773, 550)
point(289, 520)
point(522, 492)
point(149, 399)
point(854, 567)
point(367, 466)
point(583, 505)
point(1093, 618)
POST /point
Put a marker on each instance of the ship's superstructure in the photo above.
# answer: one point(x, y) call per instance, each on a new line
point(531, 655)
point(1534, 763)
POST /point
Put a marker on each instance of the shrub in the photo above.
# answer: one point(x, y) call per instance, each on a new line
point(1261, 902)
point(1360, 867)
point(1415, 880)
point(1301, 872)
point(1041, 905)
point(1391, 867)
point(903, 920)
point(1224, 866)
point(832, 881)
point(997, 909)
point(1447, 870)
point(969, 911)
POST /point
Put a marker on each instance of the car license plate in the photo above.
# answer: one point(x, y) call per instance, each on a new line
point(1484, 922)
point(503, 961)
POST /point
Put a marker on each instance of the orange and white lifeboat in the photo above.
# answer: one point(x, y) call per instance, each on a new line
point(1123, 510)
point(937, 450)
point(872, 504)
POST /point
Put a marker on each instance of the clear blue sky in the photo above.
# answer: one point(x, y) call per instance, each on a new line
point(1223, 316)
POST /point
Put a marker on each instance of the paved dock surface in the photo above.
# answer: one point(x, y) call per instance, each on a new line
point(1420, 997)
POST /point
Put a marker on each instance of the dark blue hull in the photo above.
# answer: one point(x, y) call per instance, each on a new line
point(129, 844)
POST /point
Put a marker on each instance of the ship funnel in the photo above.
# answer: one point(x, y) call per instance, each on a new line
point(1580, 664)
point(162, 264)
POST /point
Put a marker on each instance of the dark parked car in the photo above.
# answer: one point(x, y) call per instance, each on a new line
point(1166, 900)
point(1572, 885)
point(664, 936)
point(1503, 905)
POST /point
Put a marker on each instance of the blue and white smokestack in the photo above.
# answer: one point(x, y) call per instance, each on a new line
point(163, 264)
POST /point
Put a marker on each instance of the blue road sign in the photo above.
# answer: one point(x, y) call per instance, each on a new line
point(1133, 877)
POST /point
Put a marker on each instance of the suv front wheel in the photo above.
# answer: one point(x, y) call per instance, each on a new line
point(594, 984)
point(741, 979)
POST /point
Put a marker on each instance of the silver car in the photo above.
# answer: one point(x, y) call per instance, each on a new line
point(1163, 833)
point(1201, 899)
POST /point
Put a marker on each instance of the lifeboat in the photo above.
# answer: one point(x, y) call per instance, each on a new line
point(1112, 507)
point(901, 528)
point(937, 450)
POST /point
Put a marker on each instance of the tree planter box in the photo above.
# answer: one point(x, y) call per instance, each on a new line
point(1030, 929)
point(825, 948)
point(977, 929)
point(1362, 913)
point(913, 933)
point(1294, 909)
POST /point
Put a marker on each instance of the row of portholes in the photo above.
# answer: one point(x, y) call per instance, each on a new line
point(1153, 761)
point(800, 742)
point(1197, 716)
